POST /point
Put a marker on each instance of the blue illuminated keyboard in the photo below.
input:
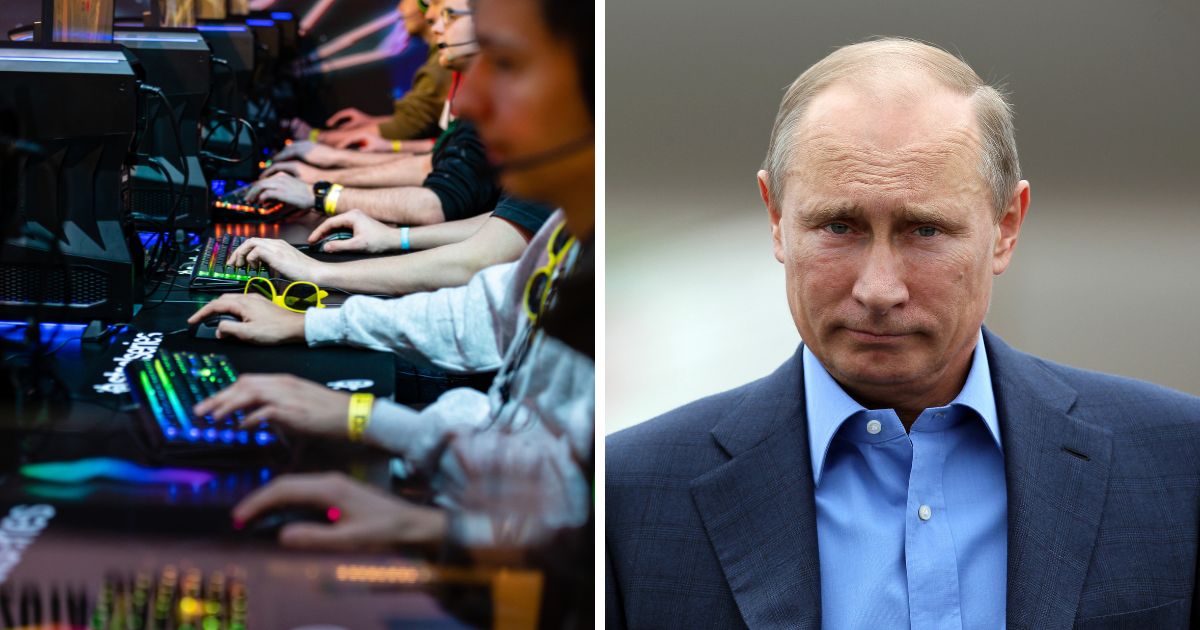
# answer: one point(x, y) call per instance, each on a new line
point(168, 385)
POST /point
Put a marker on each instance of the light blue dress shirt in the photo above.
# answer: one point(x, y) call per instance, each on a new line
point(911, 527)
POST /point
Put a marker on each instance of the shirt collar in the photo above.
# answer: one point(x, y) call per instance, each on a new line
point(828, 405)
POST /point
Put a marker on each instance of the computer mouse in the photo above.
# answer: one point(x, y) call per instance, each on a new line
point(207, 328)
point(269, 524)
point(336, 235)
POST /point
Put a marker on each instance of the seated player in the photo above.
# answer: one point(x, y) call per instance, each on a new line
point(534, 319)
point(415, 115)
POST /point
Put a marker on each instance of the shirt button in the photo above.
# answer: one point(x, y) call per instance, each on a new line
point(924, 512)
point(874, 427)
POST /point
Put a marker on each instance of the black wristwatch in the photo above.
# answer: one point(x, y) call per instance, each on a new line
point(320, 189)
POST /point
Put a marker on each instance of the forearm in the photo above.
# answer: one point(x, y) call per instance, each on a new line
point(349, 159)
point(454, 329)
point(440, 234)
point(409, 205)
point(449, 266)
point(409, 170)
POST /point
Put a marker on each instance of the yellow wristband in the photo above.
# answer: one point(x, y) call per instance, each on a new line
point(360, 415)
point(331, 199)
point(314, 134)
point(396, 144)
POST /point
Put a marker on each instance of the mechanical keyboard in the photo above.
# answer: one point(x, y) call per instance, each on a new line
point(233, 206)
point(169, 384)
point(211, 273)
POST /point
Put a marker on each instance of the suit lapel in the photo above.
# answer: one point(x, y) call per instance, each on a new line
point(758, 508)
point(1057, 472)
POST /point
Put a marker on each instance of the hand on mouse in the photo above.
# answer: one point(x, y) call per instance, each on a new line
point(369, 518)
point(299, 170)
point(262, 322)
point(349, 118)
point(282, 187)
point(370, 235)
point(281, 257)
point(282, 399)
point(358, 137)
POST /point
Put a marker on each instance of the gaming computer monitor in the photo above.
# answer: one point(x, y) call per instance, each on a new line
point(73, 258)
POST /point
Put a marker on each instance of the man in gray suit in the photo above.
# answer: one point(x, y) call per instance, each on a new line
point(906, 468)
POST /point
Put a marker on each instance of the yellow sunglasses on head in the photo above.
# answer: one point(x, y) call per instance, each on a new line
point(297, 296)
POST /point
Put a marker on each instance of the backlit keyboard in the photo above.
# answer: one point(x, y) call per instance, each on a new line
point(215, 272)
point(169, 384)
point(233, 206)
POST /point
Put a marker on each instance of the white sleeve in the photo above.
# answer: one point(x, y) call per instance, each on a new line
point(414, 435)
point(455, 329)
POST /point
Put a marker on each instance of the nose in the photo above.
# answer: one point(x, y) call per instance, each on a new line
point(880, 285)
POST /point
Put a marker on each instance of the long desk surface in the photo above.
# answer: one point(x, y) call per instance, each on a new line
point(103, 525)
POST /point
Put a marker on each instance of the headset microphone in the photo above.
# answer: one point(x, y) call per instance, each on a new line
point(544, 157)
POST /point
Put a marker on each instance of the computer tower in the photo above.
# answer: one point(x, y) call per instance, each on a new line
point(75, 257)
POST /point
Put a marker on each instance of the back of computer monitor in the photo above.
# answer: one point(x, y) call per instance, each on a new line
point(74, 257)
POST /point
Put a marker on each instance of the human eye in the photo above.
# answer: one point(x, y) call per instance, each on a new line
point(927, 231)
point(837, 228)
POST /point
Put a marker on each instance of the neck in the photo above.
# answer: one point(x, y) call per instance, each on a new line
point(912, 399)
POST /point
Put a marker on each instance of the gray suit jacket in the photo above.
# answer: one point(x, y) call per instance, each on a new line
point(710, 519)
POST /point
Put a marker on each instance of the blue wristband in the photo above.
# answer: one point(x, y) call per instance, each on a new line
point(404, 245)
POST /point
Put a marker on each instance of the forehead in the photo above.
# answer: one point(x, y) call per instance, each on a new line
point(913, 139)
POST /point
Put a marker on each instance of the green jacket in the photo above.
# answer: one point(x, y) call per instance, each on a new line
point(417, 112)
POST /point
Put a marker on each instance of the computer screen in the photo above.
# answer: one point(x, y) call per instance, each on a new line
point(83, 21)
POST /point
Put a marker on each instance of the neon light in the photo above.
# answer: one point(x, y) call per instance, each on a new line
point(110, 468)
point(220, 28)
point(281, 15)
point(149, 389)
point(170, 389)
point(59, 59)
point(144, 38)
point(260, 22)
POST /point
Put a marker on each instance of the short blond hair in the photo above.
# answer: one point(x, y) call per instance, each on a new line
point(999, 165)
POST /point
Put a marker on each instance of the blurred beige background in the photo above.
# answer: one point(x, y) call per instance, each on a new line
point(1107, 95)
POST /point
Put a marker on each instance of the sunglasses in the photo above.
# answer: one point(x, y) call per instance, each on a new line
point(537, 289)
point(297, 296)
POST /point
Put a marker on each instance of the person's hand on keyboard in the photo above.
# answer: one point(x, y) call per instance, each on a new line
point(367, 518)
point(280, 257)
point(370, 236)
point(284, 400)
point(281, 187)
point(299, 170)
point(262, 323)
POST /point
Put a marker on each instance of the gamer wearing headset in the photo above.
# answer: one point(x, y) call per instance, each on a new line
point(414, 115)
point(458, 249)
point(406, 163)
point(531, 90)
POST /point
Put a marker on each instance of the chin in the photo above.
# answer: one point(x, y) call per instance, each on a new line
point(876, 369)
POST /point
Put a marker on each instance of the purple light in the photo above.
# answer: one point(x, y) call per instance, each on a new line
point(109, 468)
point(193, 434)
point(222, 28)
point(171, 433)
point(210, 435)
point(263, 438)
point(260, 22)
point(227, 436)
point(281, 15)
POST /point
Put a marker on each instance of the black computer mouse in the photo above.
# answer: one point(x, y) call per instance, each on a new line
point(269, 524)
point(207, 328)
point(336, 235)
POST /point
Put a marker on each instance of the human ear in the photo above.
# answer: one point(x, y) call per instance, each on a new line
point(1009, 228)
point(773, 214)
